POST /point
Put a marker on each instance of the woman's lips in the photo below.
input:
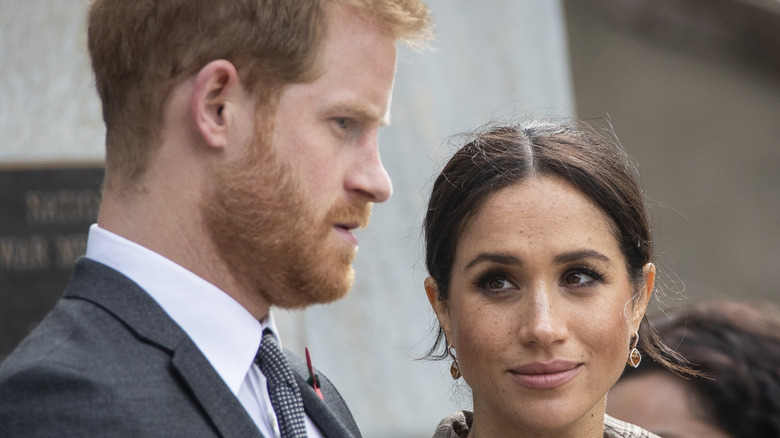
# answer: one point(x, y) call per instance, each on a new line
point(548, 375)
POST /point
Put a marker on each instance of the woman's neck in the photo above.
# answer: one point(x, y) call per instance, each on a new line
point(486, 426)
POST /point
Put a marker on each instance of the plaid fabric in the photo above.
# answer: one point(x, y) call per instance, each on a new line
point(614, 428)
point(458, 424)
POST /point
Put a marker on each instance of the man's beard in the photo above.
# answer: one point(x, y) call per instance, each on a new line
point(266, 230)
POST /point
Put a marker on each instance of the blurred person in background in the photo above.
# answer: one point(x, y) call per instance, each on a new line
point(736, 347)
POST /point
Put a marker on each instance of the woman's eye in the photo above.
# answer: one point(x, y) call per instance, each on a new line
point(495, 283)
point(581, 277)
point(578, 278)
point(498, 283)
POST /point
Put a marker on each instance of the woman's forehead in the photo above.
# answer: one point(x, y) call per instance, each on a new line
point(541, 209)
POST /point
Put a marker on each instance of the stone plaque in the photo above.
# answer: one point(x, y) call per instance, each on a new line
point(45, 214)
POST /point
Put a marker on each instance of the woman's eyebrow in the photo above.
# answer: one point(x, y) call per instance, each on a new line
point(503, 259)
point(572, 256)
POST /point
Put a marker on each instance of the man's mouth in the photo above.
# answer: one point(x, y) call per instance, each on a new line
point(345, 230)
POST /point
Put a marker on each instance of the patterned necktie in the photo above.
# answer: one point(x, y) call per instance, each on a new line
point(284, 392)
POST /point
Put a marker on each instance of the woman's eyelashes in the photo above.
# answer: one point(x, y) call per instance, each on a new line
point(496, 282)
point(584, 275)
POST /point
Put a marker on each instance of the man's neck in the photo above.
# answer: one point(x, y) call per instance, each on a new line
point(176, 232)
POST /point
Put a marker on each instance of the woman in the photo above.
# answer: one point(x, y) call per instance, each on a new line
point(539, 255)
point(737, 348)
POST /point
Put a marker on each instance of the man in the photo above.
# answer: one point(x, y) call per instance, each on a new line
point(241, 153)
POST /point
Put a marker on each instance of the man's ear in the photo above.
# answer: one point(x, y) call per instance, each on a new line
point(439, 307)
point(217, 95)
point(643, 297)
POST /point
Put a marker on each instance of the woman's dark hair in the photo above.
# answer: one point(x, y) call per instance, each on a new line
point(501, 155)
point(736, 347)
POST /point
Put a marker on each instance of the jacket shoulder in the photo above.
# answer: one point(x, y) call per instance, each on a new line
point(85, 369)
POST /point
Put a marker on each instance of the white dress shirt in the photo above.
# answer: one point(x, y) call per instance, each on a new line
point(222, 329)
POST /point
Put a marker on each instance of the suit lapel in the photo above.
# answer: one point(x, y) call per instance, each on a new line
point(224, 409)
point(121, 297)
point(331, 415)
point(329, 424)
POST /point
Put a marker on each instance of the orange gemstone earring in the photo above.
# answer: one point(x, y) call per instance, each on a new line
point(454, 369)
point(634, 356)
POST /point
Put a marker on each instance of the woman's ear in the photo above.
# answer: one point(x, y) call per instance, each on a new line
point(642, 299)
point(216, 101)
point(439, 307)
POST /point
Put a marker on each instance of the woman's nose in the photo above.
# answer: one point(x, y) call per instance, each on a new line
point(543, 321)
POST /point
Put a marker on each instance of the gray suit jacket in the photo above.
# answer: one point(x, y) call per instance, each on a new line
point(108, 361)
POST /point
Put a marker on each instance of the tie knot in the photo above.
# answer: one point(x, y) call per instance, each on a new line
point(271, 361)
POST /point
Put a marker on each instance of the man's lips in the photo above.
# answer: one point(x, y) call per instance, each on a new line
point(345, 230)
point(545, 375)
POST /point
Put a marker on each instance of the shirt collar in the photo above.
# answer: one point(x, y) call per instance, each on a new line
point(222, 329)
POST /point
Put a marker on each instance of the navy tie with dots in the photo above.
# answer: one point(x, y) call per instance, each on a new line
point(282, 389)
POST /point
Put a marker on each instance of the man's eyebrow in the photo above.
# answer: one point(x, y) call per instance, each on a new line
point(572, 256)
point(360, 110)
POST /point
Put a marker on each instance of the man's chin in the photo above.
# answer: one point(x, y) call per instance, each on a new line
point(323, 292)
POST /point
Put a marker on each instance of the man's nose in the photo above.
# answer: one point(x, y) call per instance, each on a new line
point(368, 177)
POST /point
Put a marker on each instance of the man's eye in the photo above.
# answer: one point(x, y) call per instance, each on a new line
point(343, 123)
